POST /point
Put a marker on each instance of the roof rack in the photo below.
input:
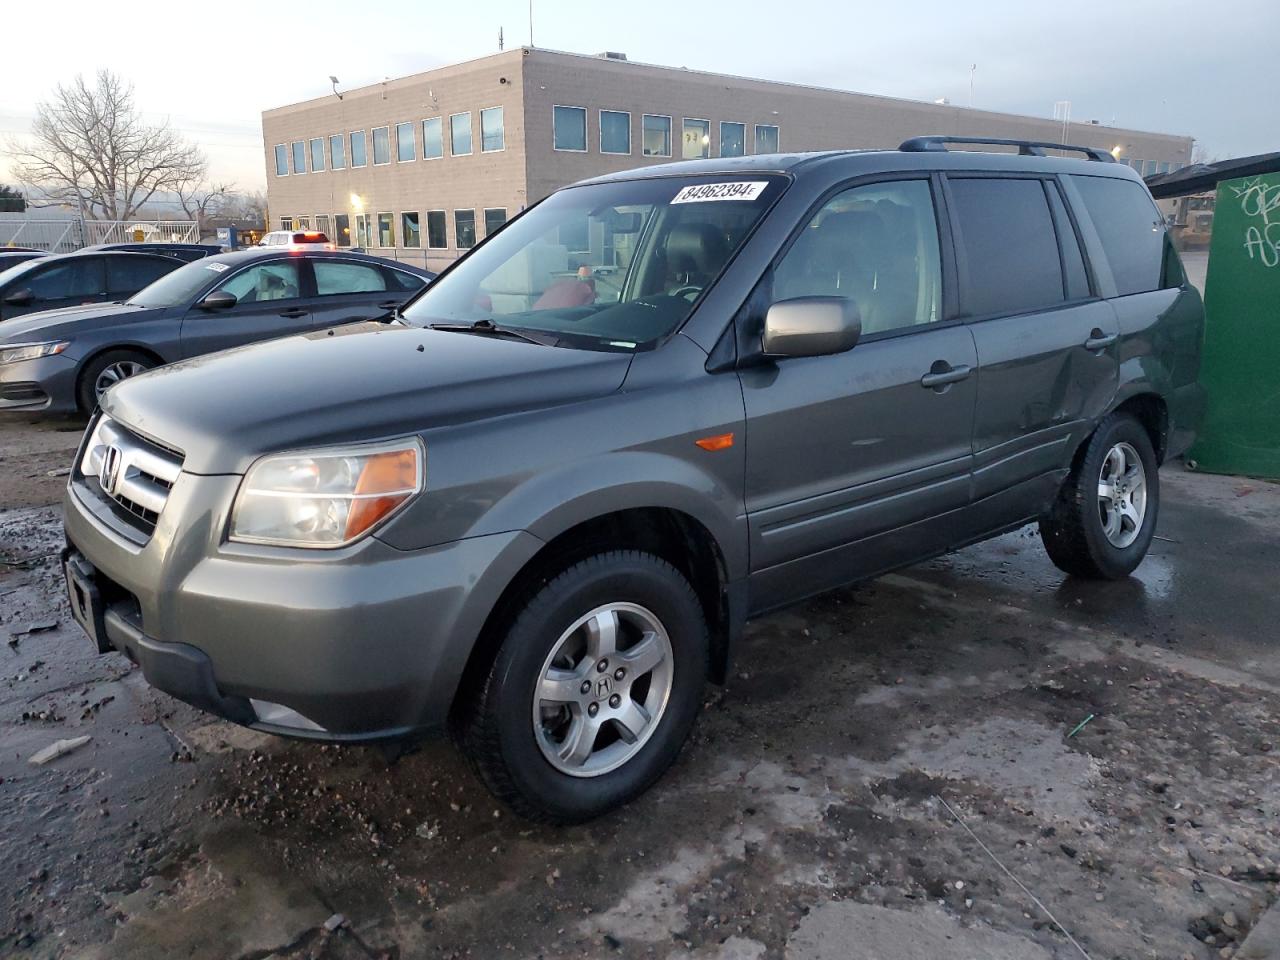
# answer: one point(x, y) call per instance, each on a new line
point(1026, 148)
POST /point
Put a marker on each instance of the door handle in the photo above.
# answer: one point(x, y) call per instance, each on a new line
point(294, 312)
point(942, 375)
point(1099, 340)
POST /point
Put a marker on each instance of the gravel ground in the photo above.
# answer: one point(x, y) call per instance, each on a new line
point(878, 750)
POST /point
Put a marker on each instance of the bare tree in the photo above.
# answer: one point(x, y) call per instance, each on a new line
point(90, 148)
point(201, 202)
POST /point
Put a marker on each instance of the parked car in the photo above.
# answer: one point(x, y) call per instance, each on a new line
point(62, 361)
point(48, 283)
point(298, 240)
point(542, 511)
point(186, 252)
point(10, 257)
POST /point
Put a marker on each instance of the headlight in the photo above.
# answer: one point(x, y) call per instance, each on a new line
point(326, 498)
point(32, 351)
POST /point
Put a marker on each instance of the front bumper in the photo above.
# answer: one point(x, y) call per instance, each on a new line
point(47, 384)
point(368, 642)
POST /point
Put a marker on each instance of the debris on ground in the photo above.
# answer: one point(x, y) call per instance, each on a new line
point(59, 748)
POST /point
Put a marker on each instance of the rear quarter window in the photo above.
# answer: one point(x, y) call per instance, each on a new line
point(1131, 230)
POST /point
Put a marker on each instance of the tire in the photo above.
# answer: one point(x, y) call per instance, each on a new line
point(511, 740)
point(86, 385)
point(1074, 532)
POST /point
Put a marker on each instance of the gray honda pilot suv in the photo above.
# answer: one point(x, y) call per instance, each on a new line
point(539, 509)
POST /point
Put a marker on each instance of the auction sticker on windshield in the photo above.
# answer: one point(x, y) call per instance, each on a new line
point(216, 267)
point(740, 190)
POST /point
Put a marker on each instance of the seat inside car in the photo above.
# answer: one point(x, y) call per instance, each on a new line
point(695, 253)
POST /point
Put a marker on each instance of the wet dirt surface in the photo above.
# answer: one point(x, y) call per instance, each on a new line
point(816, 812)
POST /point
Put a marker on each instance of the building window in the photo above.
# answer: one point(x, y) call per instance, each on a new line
point(409, 230)
point(381, 146)
point(322, 224)
point(341, 230)
point(492, 134)
point(494, 217)
point(569, 128)
point(304, 223)
point(464, 228)
point(733, 139)
point(386, 230)
point(766, 138)
point(299, 157)
point(286, 223)
point(315, 146)
point(437, 229)
point(432, 139)
point(406, 149)
point(460, 134)
point(656, 136)
point(364, 231)
point(337, 153)
point(282, 160)
point(615, 131)
point(359, 151)
point(696, 142)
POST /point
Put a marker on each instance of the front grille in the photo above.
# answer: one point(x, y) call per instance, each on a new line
point(131, 473)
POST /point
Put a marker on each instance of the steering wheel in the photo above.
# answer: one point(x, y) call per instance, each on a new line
point(689, 292)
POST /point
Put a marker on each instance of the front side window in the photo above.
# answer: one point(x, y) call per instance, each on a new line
point(316, 145)
point(359, 151)
point(615, 131)
point(277, 280)
point(569, 128)
point(766, 138)
point(406, 149)
point(432, 139)
point(733, 139)
point(656, 136)
point(607, 266)
point(1131, 229)
point(494, 218)
point(337, 152)
point(1010, 247)
point(76, 277)
point(696, 142)
point(876, 245)
point(437, 230)
point(492, 134)
point(464, 228)
point(460, 134)
point(333, 277)
point(381, 146)
point(282, 160)
point(410, 230)
point(299, 157)
point(342, 229)
point(386, 230)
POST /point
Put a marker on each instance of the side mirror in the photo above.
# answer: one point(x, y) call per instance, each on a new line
point(218, 300)
point(20, 298)
point(811, 327)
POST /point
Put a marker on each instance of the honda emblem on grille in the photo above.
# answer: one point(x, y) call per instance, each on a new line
point(110, 468)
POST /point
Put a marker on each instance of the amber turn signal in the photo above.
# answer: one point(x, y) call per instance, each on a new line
point(721, 441)
point(387, 480)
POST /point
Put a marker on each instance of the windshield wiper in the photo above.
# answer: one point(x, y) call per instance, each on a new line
point(489, 328)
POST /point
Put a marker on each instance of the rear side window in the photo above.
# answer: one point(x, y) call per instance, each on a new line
point(1131, 230)
point(335, 277)
point(1009, 246)
point(128, 274)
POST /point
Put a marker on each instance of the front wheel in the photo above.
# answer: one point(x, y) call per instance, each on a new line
point(106, 370)
point(1104, 517)
point(594, 689)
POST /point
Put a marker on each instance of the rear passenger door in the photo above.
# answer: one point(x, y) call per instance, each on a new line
point(348, 291)
point(846, 454)
point(269, 303)
point(1047, 345)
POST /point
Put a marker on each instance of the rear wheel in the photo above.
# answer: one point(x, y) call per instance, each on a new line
point(106, 370)
point(1104, 517)
point(594, 689)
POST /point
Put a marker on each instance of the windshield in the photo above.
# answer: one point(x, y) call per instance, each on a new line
point(180, 287)
point(606, 266)
point(17, 271)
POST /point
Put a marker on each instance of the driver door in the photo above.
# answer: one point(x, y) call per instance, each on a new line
point(270, 303)
point(848, 455)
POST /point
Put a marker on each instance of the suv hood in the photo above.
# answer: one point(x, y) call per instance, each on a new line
point(357, 383)
point(66, 322)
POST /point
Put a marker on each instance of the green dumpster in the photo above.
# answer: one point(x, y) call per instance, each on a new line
point(1241, 366)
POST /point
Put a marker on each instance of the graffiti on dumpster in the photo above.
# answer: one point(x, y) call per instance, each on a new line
point(1260, 202)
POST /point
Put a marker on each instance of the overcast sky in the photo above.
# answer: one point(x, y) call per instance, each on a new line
point(1207, 70)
